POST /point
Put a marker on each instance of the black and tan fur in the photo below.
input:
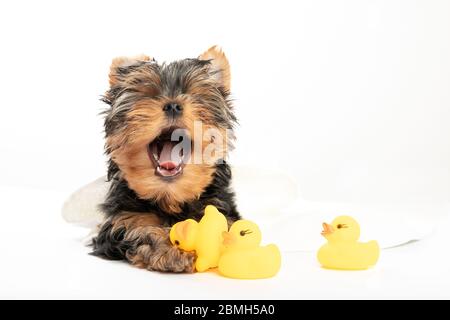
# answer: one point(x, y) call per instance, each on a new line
point(140, 206)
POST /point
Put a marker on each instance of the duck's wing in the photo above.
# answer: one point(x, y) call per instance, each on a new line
point(269, 258)
point(374, 251)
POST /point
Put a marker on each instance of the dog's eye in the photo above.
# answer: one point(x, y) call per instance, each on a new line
point(177, 243)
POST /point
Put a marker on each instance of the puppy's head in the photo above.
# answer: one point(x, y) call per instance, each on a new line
point(169, 124)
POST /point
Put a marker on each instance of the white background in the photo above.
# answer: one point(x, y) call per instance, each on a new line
point(349, 98)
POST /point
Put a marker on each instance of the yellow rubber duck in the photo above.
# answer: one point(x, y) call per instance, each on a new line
point(343, 251)
point(243, 258)
point(205, 237)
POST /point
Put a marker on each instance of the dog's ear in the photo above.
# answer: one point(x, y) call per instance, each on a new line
point(123, 62)
point(220, 68)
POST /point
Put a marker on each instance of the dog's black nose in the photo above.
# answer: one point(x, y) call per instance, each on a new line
point(173, 109)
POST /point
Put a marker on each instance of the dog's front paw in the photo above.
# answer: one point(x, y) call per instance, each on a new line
point(153, 251)
point(164, 260)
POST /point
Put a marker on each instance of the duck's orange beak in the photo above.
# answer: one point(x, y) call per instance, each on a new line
point(327, 229)
point(228, 238)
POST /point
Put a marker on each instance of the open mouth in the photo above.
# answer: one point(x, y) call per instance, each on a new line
point(168, 155)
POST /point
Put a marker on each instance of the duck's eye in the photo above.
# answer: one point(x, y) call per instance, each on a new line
point(341, 225)
point(177, 243)
point(244, 232)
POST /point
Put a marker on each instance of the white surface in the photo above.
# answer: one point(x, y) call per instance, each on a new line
point(83, 205)
point(42, 257)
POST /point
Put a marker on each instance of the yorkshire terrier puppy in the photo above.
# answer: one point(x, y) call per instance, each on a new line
point(168, 130)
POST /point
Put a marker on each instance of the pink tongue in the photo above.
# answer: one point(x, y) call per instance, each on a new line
point(168, 159)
